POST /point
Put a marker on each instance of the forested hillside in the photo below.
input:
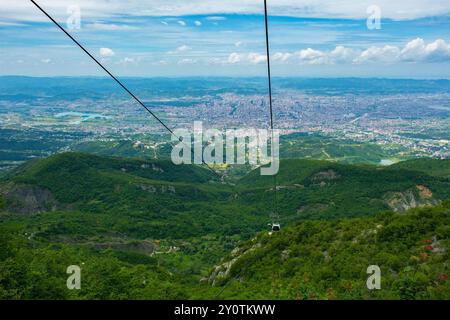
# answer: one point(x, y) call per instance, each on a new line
point(329, 259)
point(163, 228)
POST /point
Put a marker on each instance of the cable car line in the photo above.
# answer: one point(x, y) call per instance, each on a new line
point(120, 83)
point(275, 215)
point(275, 226)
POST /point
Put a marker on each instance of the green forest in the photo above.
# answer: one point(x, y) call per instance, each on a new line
point(147, 229)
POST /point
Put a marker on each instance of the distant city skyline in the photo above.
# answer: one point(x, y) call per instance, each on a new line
point(207, 38)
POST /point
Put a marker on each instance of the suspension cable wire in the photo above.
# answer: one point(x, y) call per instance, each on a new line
point(122, 85)
point(275, 215)
point(221, 177)
point(275, 204)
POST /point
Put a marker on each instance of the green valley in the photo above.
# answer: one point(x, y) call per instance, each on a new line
point(148, 229)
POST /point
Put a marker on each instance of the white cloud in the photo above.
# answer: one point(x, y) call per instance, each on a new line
point(216, 18)
point(414, 51)
point(187, 61)
point(181, 49)
point(399, 9)
point(252, 57)
point(256, 58)
point(106, 52)
point(109, 27)
point(234, 58)
point(311, 56)
point(216, 60)
point(160, 63)
point(127, 60)
point(11, 24)
point(198, 23)
point(181, 23)
point(342, 54)
point(418, 50)
point(385, 54)
point(282, 56)
point(438, 51)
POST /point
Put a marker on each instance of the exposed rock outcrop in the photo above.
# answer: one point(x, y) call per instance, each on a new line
point(26, 199)
point(222, 271)
point(409, 199)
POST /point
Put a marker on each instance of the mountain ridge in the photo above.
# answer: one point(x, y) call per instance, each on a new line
point(119, 219)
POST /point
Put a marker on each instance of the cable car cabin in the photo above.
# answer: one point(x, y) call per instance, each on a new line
point(276, 227)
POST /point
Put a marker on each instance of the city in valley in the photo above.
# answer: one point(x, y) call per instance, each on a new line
point(374, 121)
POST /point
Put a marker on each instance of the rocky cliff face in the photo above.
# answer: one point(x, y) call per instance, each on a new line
point(222, 271)
point(402, 201)
point(25, 199)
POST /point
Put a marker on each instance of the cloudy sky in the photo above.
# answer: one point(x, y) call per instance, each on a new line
point(331, 38)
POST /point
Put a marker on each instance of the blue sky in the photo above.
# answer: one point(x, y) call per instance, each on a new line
point(226, 38)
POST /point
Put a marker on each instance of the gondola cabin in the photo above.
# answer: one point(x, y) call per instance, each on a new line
point(276, 227)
